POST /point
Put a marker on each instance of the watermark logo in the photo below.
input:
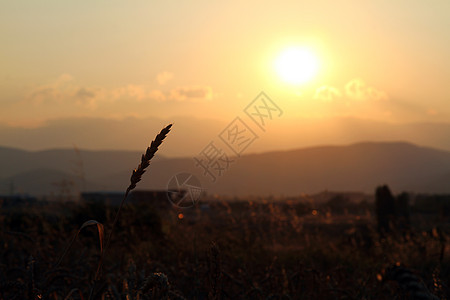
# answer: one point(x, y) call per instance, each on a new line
point(262, 109)
point(237, 137)
point(184, 190)
point(213, 161)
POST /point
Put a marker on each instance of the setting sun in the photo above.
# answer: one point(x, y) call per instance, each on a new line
point(296, 65)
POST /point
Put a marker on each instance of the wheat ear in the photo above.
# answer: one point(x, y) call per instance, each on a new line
point(137, 175)
point(147, 156)
point(134, 179)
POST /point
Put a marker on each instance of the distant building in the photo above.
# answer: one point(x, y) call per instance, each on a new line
point(16, 200)
point(156, 198)
point(108, 198)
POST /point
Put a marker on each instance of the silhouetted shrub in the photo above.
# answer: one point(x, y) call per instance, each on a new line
point(384, 208)
point(392, 213)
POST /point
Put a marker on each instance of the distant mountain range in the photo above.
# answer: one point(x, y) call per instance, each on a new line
point(356, 167)
point(190, 135)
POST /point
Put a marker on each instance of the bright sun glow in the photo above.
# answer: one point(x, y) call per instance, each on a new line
point(296, 65)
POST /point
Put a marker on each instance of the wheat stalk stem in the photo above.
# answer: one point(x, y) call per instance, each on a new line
point(136, 176)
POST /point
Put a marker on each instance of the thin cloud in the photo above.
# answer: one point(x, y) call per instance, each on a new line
point(130, 91)
point(193, 93)
point(163, 77)
point(86, 97)
point(157, 95)
point(41, 94)
point(357, 89)
point(55, 91)
point(65, 96)
point(84, 93)
point(327, 93)
point(65, 90)
point(137, 92)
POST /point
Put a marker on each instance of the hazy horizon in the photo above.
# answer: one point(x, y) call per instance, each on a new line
point(134, 134)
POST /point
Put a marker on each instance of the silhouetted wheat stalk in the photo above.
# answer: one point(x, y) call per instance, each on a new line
point(135, 178)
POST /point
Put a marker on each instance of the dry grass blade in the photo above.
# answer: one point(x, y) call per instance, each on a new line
point(100, 228)
point(101, 236)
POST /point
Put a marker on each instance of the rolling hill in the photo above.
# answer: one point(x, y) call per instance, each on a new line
point(355, 167)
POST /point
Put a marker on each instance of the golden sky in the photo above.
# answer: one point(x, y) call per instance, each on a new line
point(379, 60)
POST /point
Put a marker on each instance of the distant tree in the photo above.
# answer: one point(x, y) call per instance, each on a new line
point(384, 208)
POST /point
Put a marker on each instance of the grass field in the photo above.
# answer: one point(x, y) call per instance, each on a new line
point(259, 249)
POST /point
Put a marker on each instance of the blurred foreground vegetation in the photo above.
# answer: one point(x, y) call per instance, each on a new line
point(222, 249)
